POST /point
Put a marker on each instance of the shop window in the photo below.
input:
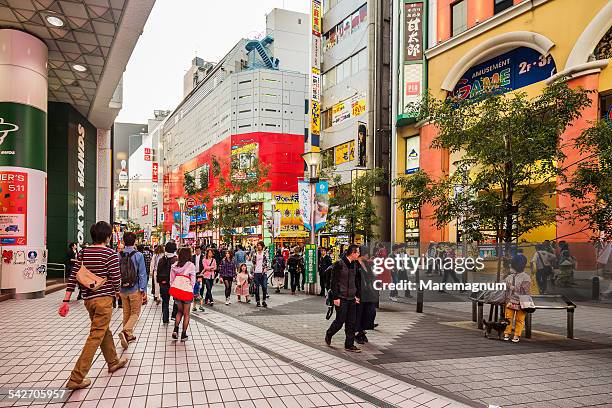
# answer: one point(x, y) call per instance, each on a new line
point(501, 5)
point(459, 17)
point(606, 107)
point(326, 119)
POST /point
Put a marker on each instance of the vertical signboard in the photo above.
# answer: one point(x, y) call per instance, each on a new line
point(310, 262)
point(413, 44)
point(315, 74)
point(412, 155)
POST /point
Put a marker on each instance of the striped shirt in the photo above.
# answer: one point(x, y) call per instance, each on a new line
point(103, 262)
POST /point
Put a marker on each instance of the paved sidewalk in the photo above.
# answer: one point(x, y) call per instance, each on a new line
point(442, 350)
point(225, 363)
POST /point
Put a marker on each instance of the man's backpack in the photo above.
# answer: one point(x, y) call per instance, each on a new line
point(163, 269)
point(129, 274)
point(147, 260)
point(293, 264)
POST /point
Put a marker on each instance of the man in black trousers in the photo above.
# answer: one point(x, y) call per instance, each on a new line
point(345, 290)
point(325, 262)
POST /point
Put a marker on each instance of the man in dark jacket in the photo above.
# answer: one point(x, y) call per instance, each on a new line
point(325, 262)
point(345, 290)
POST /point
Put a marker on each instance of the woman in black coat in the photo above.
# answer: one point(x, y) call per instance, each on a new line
point(278, 265)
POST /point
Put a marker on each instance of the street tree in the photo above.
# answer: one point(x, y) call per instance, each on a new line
point(509, 160)
point(237, 193)
point(352, 208)
point(591, 184)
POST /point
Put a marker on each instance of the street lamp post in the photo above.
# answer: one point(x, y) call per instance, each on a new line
point(313, 161)
point(181, 203)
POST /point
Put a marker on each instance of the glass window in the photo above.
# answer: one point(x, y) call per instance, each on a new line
point(355, 64)
point(501, 5)
point(347, 68)
point(331, 77)
point(339, 73)
point(363, 59)
point(459, 17)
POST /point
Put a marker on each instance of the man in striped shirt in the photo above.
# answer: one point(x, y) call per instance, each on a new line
point(103, 262)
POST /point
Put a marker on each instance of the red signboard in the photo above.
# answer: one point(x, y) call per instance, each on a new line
point(155, 174)
point(190, 202)
point(147, 154)
point(13, 208)
point(145, 210)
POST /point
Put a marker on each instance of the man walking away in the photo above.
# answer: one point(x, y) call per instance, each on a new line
point(325, 262)
point(103, 262)
point(345, 289)
point(295, 264)
point(278, 265)
point(163, 278)
point(133, 287)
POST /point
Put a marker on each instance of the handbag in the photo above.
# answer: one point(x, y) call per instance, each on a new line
point(252, 288)
point(88, 279)
point(181, 288)
point(527, 303)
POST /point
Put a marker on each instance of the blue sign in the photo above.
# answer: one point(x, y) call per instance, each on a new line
point(177, 217)
point(513, 70)
point(200, 215)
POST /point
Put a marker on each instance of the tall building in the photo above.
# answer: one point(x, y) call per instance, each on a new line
point(60, 90)
point(468, 43)
point(251, 104)
point(195, 74)
point(355, 103)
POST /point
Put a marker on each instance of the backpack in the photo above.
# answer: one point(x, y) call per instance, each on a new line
point(163, 269)
point(129, 275)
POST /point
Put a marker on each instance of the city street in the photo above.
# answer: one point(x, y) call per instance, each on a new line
point(225, 363)
point(240, 355)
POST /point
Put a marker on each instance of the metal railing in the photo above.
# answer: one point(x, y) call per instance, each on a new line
point(57, 267)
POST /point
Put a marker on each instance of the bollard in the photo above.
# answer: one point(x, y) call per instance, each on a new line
point(570, 323)
point(528, 326)
point(595, 288)
point(480, 315)
point(419, 305)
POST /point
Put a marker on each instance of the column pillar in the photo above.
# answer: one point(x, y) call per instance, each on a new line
point(104, 177)
point(23, 163)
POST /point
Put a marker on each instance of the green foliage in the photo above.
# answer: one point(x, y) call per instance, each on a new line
point(352, 208)
point(237, 194)
point(509, 148)
point(591, 185)
point(189, 184)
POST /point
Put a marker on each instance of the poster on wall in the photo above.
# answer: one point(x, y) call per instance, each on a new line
point(304, 199)
point(413, 87)
point(412, 154)
point(352, 107)
point(246, 156)
point(362, 132)
point(13, 208)
point(512, 70)
point(344, 153)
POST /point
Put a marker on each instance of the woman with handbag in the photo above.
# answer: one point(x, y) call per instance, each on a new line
point(518, 288)
point(182, 281)
point(208, 271)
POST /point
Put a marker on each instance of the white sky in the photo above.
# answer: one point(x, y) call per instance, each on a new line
point(176, 31)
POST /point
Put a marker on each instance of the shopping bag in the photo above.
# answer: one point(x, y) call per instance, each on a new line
point(181, 288)
point(527, 303)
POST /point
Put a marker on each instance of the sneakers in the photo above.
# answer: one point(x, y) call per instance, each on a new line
point(515, 339)
point(119, 364)
point(227, 301)
point(78, 386)
point(506, 337)
point(194, 308)
point(353, 349)
point(202, 308)
point(131, 339)
point(184, 337)
point(124, 339)
point(264, 304)
point(258, 304)
point(175, 333)
point(327, 340)
point(393, 298)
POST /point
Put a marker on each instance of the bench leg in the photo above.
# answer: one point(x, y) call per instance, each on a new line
point(570, 323)
point(528, 325)
point(474, 312)
point(480, 315)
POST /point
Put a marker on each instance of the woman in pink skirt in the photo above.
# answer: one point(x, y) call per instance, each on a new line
point(242, 283)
